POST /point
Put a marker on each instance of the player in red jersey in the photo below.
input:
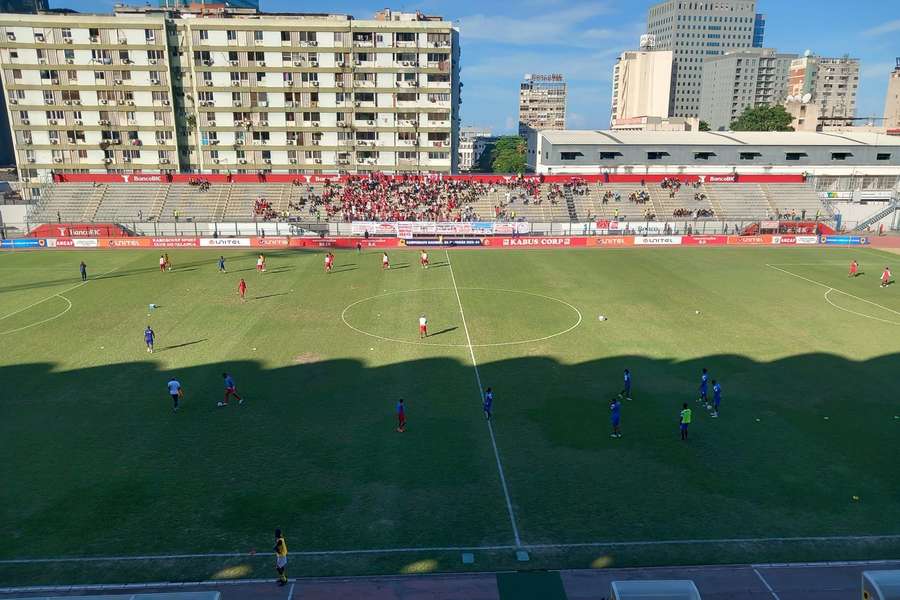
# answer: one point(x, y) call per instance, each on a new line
point(886, 277)
point(854, 269)
point(162, 263)
point(423, 327)
point(242, 289)
point(423, 259)
point(329, 262)
point(385, 261)
point(168, 262)
point(401, 416)
point(261, 264)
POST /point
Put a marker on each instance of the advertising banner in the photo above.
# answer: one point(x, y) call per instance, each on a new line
point(73, 230)
point(749, 240)
point(704, 240)
point(23, 243)
point(224, 242)
point(536, 242)
point(86, 242)
point(133, 242)
point(614, 241)
point(844, 240)
point(657, 240)
point(270, 242)
point(416, 242)
point(164, 242)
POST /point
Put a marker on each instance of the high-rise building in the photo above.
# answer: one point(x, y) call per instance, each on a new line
point(642, 83)
point(830, 83)
point(759, 30)
point(542, 103)
point(739, 80)
point(892, 100)
point(695, 31)
point(469, 146)
point(165, 91)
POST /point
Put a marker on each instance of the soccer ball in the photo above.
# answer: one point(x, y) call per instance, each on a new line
point(709, 407)
point(696, 312)
point(601, 318)
point(220, 404)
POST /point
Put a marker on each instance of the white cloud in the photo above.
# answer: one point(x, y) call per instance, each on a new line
point(556, 27)
point(875, 70)
point(888, 27)
point(574, 66)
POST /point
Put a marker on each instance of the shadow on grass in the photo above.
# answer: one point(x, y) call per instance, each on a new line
point(442, 331)
point(185, 344)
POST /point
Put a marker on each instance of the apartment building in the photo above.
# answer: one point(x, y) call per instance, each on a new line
point(892, 100)
point(739, 80)
point(542, 103)
point(642, 83)
point(696, 30)
point(157, 90)
point(470, 147)
point(832, 84)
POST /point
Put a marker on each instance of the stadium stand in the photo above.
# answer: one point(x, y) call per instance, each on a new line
point(438, 199)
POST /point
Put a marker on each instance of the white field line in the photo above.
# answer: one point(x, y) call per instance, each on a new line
point(65, 291)
point(489, 548)
point(828, 287)
point(291, 591)
point(766, 583)
point(47, 320)
point(462, 314)
point(853, 312)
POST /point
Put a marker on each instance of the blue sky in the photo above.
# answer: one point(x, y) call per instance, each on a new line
point(581, 39)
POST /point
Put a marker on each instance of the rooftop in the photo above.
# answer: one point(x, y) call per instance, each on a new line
point(725, 138)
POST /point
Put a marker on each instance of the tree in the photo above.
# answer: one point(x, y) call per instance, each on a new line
point(704, 126)
point(508, 155)
point(763, 118)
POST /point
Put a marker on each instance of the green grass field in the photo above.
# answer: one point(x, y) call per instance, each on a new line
point(95, 463)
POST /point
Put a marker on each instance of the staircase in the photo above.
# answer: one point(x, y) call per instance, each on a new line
point(768, 195)
point(93, 204)
point(862, 225)
point(570, 204)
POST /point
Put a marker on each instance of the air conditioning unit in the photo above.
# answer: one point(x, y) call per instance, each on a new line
point(215, 160)
point(260, 63)
point(132, 122)
point(79, 122)
point(54, 81)
point(233, 83)
point(67, 102)
point(341, 64)
point(13, 101)
point(239, 143)
point(53, 122)
point(213, 142)
point(126, 159)
point(243, 161)
point(313, 43)
point(104, 102)
point(48, 102)
point(39, 37)
point(290, 82)
point(123, 41)
point(290, 142)
point(76, 102)
point(209, 83)
point(104, 121)
point(70, 61)
point(117, 82)
point(268, 161)
point(293, 161)
point(131, 103)
point(315, 123)
point(108, 161)
point(165, 103)
point(57, 160)
point(357, 62)
point(155, 82)
point(406, 63)
point(164, 161)
point(152, 61)
point(31, 160)
point(127, 61)
point(357, 104)
point(289, 104)
point(315, 83)
point(117, 141)
point(211, 123)
point(54, 141)
point(67, 40)
point(316, 142)
point(207, 63)
point(341, 124)
point(339, 83)
point(264, 123)
point(370, 122)
point(298, 63)
point(263, 103)
point(314, 63)
point(318, 161)
point(259, 42)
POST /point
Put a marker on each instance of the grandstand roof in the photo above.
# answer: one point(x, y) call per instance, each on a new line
point(716, 138)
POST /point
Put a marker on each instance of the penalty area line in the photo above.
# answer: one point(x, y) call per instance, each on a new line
point(833, 289)
point(462, 314)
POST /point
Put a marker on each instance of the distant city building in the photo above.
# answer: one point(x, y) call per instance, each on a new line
point(695, 31)
point(892, 101)
point(162, 91)
point(831, 83)
point(759, 31)
point(196, 4)
point(804, 115)
point(642, 83)
point(657, 124)
point(469, 147)
point(542, 103)
point(739, 80)
point(23, 6)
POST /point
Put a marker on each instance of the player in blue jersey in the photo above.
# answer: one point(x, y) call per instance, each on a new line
point(615, 416)
point(221, 264)
point(717, 398)
point(488, 403)
point(230, 390)
point(704, 380)
point(149, 338)
point(627, 384)
point(175, 392)
point(401, 416)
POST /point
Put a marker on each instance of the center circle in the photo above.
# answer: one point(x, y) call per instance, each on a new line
point(492, 317)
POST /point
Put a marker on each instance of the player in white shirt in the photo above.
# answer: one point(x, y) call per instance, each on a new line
point(423, 259)
point(423, 327)
point(385, 263)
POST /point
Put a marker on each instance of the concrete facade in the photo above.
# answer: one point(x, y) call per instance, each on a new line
point(642, 85)
point(542, 103)
point(740, 80)
point(892, 100)
point(164, 91)
point(695, 31)
point(831, 82)
point(560, 152)
point(469, 147)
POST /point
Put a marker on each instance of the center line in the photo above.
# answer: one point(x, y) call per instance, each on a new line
point(462, 314)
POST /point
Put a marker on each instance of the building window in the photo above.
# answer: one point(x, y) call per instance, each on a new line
point(883, 156)
point(657, 155)
point(231, 34)
point(794, 155)
point(610, 155)
point(204, 34)
point(703, 155)
point(570, 155)
point(750, 155)
point(841, 155)
point(257, 36)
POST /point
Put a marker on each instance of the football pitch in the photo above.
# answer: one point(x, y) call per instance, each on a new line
point(801, 464)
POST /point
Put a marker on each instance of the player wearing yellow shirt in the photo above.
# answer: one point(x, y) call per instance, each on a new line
point(280, 557)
